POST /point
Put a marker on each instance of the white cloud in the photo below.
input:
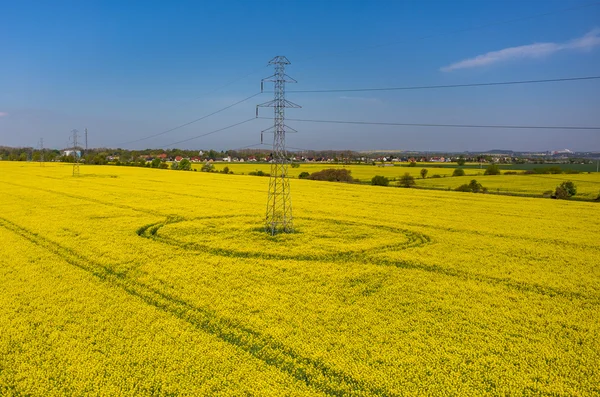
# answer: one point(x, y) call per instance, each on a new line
point(3, 114)
point(537, 50)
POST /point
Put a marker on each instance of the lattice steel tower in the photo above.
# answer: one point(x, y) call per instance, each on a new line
point(73, 139)
point(41, 145)
point(279, 202)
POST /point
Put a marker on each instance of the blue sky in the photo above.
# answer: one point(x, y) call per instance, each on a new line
point(126, 70)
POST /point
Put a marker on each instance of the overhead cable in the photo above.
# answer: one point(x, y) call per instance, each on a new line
point(428, 87)
point(541, 127)
point(210, 133)
point(191, 122)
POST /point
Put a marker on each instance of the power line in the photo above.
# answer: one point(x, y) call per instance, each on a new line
point(248, 147)
point(540, 127)
point(503, 22)
point(228, 84)
point(427, 87)
point(191, 122)
point(212, 132)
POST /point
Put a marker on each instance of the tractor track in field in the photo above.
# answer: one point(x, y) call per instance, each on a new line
point(151, 231)
point(415, 240)
point(510, 283)
point(313, 372)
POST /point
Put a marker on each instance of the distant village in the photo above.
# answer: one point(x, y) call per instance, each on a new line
point(381, 158)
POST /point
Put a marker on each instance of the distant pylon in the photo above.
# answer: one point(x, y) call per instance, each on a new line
point(86, 147)
point(74, 138)
point(41, 152)
point(279, 202)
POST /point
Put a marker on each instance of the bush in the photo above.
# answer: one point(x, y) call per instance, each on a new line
point(492, 169)
point(436, 176)
point(510, 173)
point(548, 170)
point(412, 164)
point(303, 175)
point(295, 165)
point(379, 180)
point(174, 165)
point(555, 170)
point(476, 186)
point(225, 170)
point(424, 173)
point(332, 175)
point(259, 173)
point(207, 167)
point(458, 172)
point(473, 187)
point(407, 180)
point(185, 165)
point(565, 190)
point(547, 194)
point(155, 163)
point(461, 161)
point(164, 166)
point(571, 172)
point(463, 188)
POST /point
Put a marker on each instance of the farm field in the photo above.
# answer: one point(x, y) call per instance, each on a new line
point(363, 173)
point(136, 281)
point(588, 185)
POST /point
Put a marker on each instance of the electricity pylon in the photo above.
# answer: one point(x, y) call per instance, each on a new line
point(279, 202)
point(41, 152)
point(73, 139)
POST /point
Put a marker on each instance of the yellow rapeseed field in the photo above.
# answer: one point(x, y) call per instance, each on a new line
point(134, 281)
point(588, 185)
point(362, 172)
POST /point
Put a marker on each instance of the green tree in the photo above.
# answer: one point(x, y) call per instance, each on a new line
point(156, 163)
point(379, 180)
point(473, 187)
point(424, 173)
point(461, 160)
point(185, 165)
point(412, 164)
point(492, 169)
point(407, 180)
point(332, 175)
point(458, 172)
point(174, 165)
point(565, 190)
point(225, 170)
point(303, 175)
point(207, 167)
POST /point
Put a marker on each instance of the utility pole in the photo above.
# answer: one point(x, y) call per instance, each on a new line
point(41, 152)
point(74, 138)
point(279, 202)
point(86, 147)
